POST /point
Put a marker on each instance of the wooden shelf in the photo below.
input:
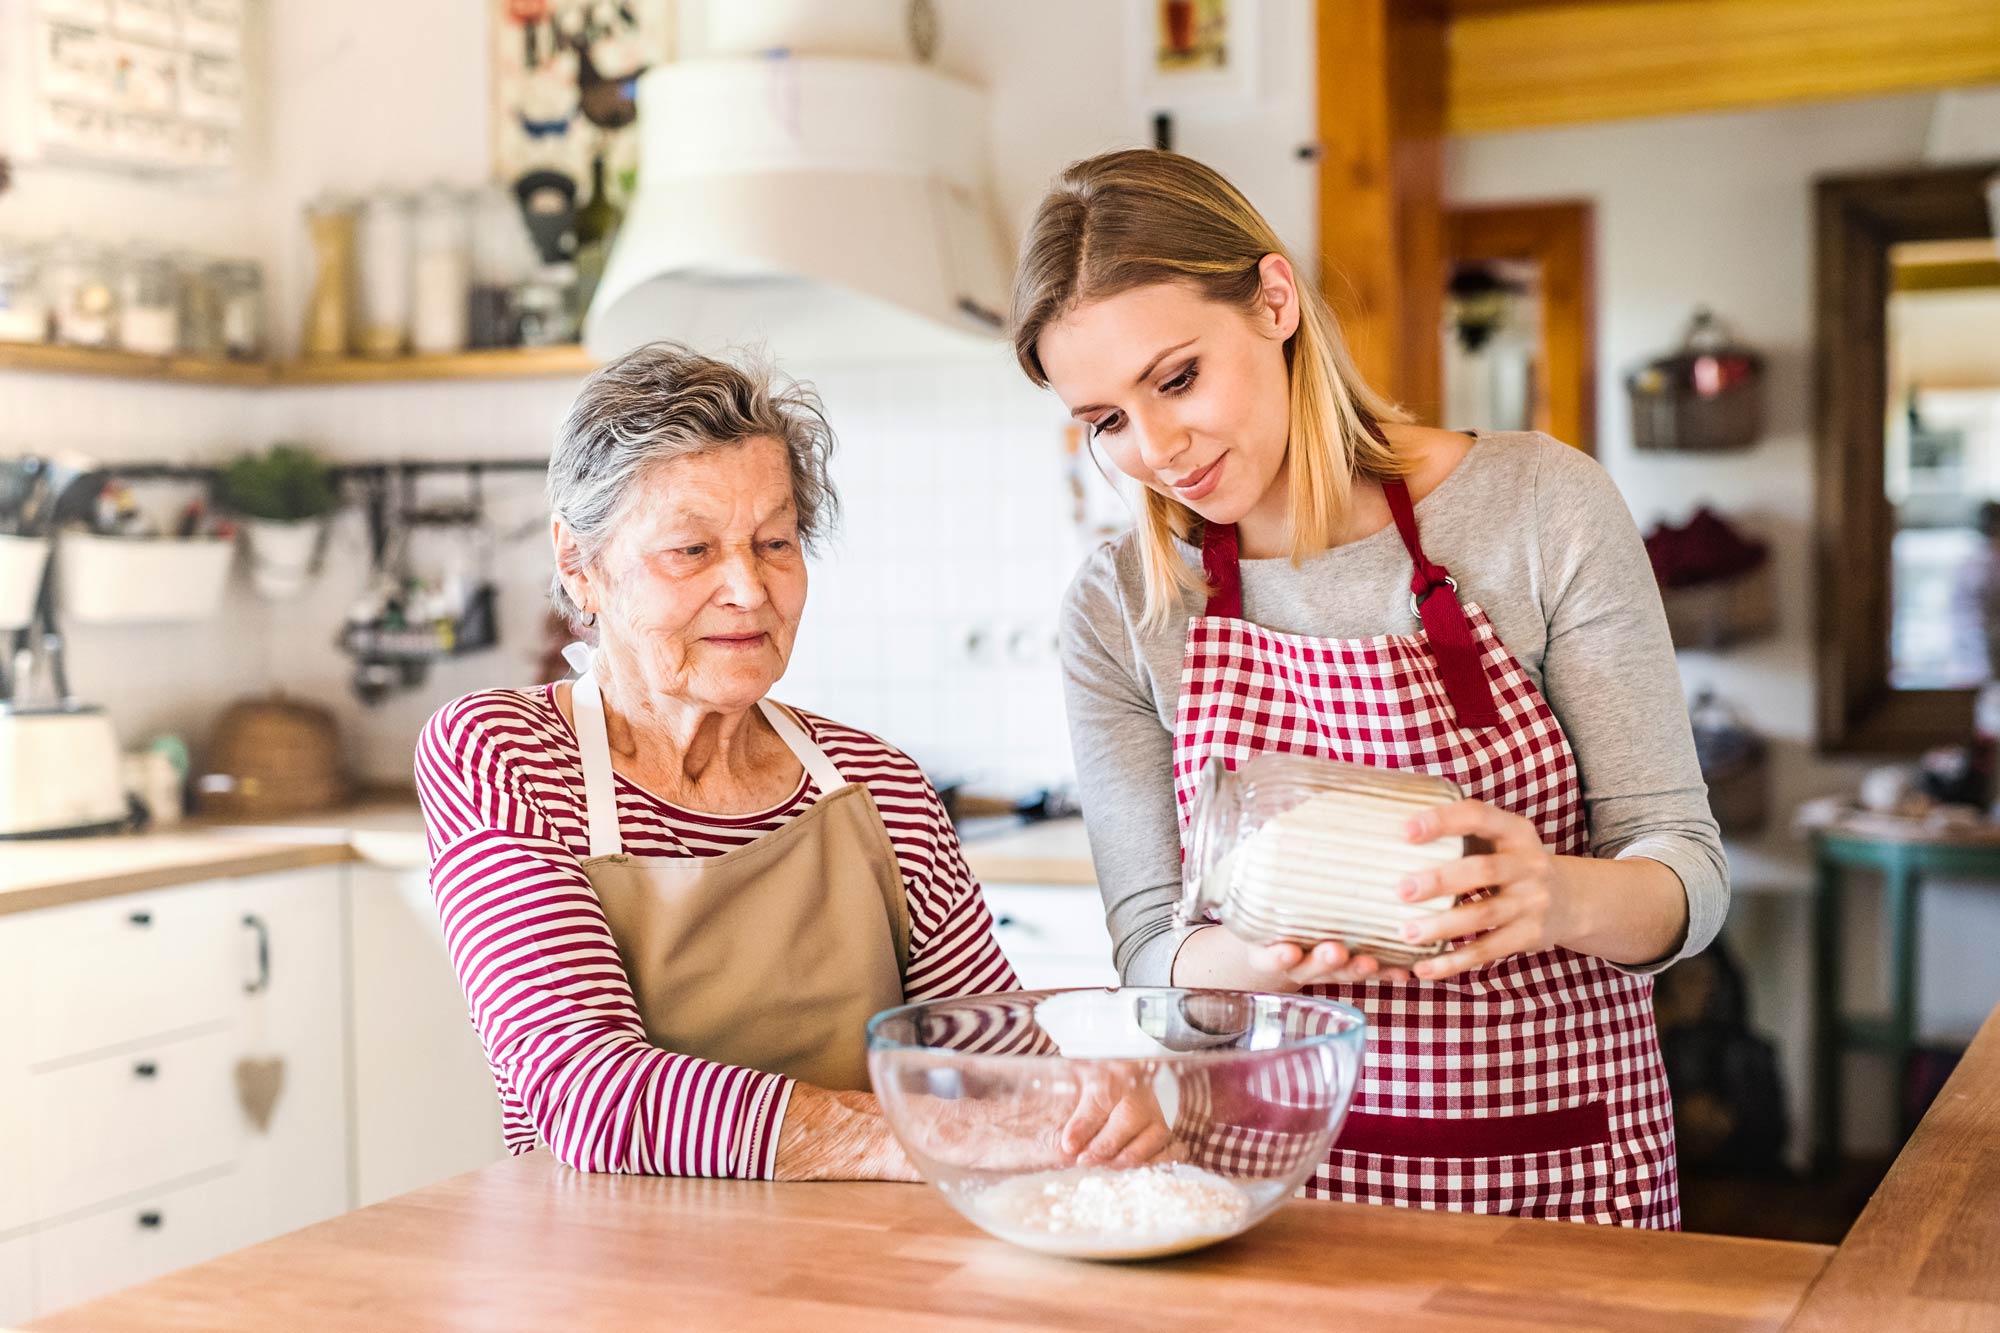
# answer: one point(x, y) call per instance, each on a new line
point(500, 363)
point(55, 360)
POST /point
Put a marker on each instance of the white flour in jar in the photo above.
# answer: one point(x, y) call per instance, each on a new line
point(1102, 1213)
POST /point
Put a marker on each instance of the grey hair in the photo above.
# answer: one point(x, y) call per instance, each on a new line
point(665, 401)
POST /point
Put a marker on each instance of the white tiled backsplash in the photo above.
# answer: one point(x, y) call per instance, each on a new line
point(932, 613)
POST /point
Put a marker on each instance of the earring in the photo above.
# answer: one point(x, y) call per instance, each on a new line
point(587, 618)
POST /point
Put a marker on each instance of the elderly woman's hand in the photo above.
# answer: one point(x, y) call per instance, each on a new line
point(838, 1136)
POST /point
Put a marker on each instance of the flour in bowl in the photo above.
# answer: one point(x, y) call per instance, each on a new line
point(1101, 1213)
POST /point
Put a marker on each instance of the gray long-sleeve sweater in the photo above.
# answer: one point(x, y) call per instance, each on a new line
point(1538, 536)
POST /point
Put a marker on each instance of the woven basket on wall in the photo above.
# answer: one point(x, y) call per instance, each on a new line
point(1707, 397)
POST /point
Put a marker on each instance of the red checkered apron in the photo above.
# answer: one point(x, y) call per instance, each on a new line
point(1531, 1086)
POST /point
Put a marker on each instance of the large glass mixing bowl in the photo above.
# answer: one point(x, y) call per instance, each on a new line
point(1116, 1124)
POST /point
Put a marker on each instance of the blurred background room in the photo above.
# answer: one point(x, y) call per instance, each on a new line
point(293, 297)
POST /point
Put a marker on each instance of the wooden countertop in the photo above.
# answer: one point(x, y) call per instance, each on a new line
point(1054, 852)
point(526, 1243)
point(52, 872)
point(1925, 1253)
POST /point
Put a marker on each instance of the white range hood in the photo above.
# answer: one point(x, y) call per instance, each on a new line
point(828, 208)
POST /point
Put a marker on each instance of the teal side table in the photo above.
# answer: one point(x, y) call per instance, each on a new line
point(1904, 858)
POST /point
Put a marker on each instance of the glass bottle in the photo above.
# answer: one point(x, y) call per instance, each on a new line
point(597, 225)
point(1292, 848)
point(442, 287)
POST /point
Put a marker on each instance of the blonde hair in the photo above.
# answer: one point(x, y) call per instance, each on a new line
point(1140, 216)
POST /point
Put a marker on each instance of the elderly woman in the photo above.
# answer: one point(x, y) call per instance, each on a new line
point(672, 902)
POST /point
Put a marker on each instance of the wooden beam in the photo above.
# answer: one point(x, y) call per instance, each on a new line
point(1558, 239)
point(1515, 66)
point(1381, 179)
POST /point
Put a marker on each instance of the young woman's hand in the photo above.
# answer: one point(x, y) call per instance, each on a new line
point(1525, 909)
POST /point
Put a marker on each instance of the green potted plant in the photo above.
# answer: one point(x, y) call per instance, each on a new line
point(284, 496)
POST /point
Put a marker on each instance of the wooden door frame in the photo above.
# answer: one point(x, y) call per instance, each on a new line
point(1857, 219)
point(1558, 237)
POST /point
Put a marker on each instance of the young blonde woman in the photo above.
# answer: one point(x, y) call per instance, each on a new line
point(1312, 572)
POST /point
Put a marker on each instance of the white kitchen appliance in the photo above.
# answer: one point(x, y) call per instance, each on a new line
point(59, 772)
point(60, 769)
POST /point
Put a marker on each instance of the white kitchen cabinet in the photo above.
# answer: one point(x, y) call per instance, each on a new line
point(290, 981)
point(1053, 934)
point(126, 1148)
point(117, 1124)
point(424, 1103)
point(125, 969)
point(17, 1280)
point(16, 1150)
point(133, 1241)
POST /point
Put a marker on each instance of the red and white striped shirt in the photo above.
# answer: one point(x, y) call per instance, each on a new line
point(500, 778)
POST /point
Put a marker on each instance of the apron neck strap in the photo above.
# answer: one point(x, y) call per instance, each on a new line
point(1434, 598)
point(600, 789)
point(600, 786)
point(809, 755)
point(1219, 562)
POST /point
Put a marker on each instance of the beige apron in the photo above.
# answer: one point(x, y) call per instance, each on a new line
point(772, 955)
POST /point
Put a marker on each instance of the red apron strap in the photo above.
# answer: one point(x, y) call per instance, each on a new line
point(1218, 560)
point(1435, 598)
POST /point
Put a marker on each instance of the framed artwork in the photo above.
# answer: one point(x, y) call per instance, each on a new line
point(565, 84)
point(1193, 56)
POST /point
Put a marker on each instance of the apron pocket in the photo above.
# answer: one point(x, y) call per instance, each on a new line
point(1583, 1126)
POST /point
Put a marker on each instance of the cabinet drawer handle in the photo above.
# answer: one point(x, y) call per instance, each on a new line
point(1008, 921)
point(151, 1220)
point(141, 918)
point(146, 1069)
point(251, 921)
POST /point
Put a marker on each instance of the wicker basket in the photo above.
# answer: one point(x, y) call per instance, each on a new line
point(1706, 398)
point(1725, 611)
point(273, 756)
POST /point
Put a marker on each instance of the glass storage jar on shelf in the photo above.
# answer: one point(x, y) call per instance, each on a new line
point(149, 304)
point(77, 284)
point(442, 284)
point(329, 322)
point(24, 310)
point(239, 291)
point(385, 246)
point(1295, 849)
point(503, 258)
point(201, 306)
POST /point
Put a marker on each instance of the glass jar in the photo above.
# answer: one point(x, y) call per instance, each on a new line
point(239, 290)
point(1293, 849)
point(329, 325)
point(546, 305)
point(24, 312)
point(503, 257)
point(77, 285)
point(149, 304)
point(385, 275)
point(201, 306)
point(442, 279)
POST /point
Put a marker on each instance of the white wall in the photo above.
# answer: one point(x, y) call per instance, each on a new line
point(1717, 210)
point(954, 482)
